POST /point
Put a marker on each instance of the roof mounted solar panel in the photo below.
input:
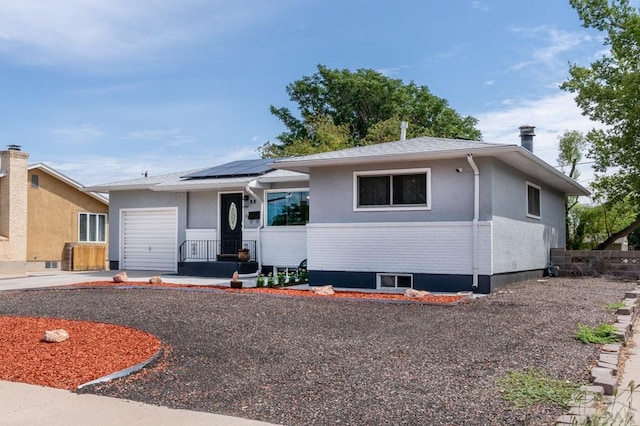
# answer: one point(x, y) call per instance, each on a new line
point(237, 168)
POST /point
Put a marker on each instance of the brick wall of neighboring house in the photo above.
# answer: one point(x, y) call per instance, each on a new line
point(13, 212)
point(577, 263)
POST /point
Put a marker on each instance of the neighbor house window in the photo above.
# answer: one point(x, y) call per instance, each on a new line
point(286, 208)
point(398, 189)
point(92, 227)
point(34, 182)
point(395, 281)
point(533, 200)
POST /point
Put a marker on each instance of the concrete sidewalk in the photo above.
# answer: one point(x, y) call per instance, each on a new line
point(22, 404)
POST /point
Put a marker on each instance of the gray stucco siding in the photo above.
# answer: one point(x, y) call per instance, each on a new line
point(202, 210)
point(331, 193)
point(142, 199)
point(510, 199)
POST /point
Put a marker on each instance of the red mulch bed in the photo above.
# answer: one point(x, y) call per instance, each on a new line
point(93, 350)
point(399, 297)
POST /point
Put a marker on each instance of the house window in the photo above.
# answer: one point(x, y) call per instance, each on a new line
point(399, 190)
point(287, 208)
point(533, 200)
point(92, 227)
point(395, 281)
point(34, 182)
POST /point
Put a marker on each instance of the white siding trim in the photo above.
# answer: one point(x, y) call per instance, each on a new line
point(412, 247)
point(284, 245)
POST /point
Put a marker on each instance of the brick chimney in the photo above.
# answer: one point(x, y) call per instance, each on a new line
point(526, 136)
point(13, 210)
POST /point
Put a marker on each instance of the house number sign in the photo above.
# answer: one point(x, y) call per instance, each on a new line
point(233, 216)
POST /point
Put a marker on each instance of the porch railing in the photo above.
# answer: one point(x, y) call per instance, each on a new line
point(215, 250)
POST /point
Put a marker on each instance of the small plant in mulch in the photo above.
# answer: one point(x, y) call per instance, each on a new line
point(533, 387)
point(614, 306)
point(602, 334)
point(270, 282)
point(260, 281)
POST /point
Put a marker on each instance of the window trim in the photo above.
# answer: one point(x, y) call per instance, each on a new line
point(97, 230)
point(265, 213)
point(391, 207)
point(539, 188)
point(393, 274)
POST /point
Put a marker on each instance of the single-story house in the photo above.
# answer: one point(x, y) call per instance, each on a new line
point(47, 221)
point(427, 213)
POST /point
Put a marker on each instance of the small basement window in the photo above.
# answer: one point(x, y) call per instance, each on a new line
point(533, 201)
point(395, 281)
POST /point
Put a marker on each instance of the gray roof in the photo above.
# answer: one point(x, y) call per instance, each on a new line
point(180, 181)
point(427, 148)
point(419, 145)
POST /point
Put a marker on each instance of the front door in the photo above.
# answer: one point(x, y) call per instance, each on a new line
point(230, 223)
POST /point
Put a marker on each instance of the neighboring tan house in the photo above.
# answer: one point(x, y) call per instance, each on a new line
point(428, 213)
point(46, 220)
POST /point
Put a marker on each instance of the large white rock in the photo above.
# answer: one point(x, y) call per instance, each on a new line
point(324, 290)
point(415, 294)
point(55, 336)
point(121, 277)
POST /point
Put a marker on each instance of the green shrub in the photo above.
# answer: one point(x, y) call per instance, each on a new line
point(531, 387)
point(602, 334)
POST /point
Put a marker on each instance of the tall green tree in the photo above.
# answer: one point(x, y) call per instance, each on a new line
point(608, 91)
point(571, 143)
point(342, 109)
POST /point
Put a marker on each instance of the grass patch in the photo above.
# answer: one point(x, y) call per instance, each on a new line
point(602, 334)
point(614, 306)
point(532, 387)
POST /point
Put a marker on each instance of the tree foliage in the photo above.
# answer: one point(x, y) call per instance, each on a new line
point(571, 143)
point(342, 109)
point(608, 91)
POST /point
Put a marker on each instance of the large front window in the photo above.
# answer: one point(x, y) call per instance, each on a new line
point(287, 208)
point(400, 189)
point(92, 227)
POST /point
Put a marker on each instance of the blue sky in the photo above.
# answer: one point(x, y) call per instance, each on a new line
point(106, 90)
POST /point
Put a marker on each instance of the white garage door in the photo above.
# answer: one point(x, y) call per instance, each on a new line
point(150, 239)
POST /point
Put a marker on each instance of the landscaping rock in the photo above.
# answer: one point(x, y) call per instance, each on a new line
point(121, 277)
point(608, 358)
point(155, 280)
point(55, 336)
point(611, 347)
point(415, 294)
point(325, 290)
point(608, 383)
point(597, 372)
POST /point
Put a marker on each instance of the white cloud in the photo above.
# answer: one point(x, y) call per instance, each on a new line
point(480, 5)
point(82, 133)
point(552, 116)
point(107, 32)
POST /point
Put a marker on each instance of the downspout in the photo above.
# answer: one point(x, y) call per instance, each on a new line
point(476, 216)
point(260, 226)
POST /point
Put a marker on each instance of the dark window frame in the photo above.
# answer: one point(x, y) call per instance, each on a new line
point(392, 181)
point(534, 200)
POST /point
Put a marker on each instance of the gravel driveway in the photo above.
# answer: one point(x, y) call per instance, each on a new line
point(305, 361)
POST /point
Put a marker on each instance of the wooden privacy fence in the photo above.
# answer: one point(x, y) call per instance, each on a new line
point(84, 257)
point(575, 263)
